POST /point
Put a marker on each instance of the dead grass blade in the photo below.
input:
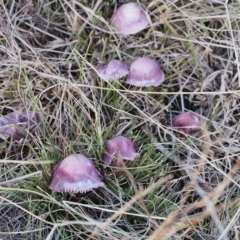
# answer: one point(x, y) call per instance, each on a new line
point(173, 222)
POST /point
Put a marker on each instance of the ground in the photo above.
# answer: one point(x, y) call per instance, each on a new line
point(178, 187)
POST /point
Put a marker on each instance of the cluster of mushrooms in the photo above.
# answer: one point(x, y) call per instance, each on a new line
point(77, 173)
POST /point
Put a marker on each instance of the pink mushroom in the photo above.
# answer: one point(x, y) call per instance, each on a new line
point(117, 149)
point(113, 70)
point(18, 125)
point(145, 72)
point(129, 18)
point(75, 173)
point(186, 123)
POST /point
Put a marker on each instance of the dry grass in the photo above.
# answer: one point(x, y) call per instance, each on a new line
point(178, 188)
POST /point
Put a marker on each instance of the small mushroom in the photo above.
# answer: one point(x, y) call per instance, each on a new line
point(145, 72)
point(75, 173)
point(186, 123)
point(129, 18)
point(18, 125)
point(117, 149)
point(113, 70)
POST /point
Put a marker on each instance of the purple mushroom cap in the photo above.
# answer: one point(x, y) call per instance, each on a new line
point(145, 72)
point(75, 173)
point(119, 147)
point(113, 70)
point(129, 18)
point(18, 125)
point(186, 123)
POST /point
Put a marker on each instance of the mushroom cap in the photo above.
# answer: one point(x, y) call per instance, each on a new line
point(145, 72)
point(75, 173)
point(129, 18)
point(113, 70)
point(17, 124)
point(7, 128)
point(119, 145)
point(186, 123)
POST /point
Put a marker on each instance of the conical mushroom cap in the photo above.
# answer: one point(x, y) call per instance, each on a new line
point(145, 72)
point(113, 70)
point(18, 124)
point(75, 173)
point(186, 123)
point(129, 18)
point(7, 126)
point(119, 146)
